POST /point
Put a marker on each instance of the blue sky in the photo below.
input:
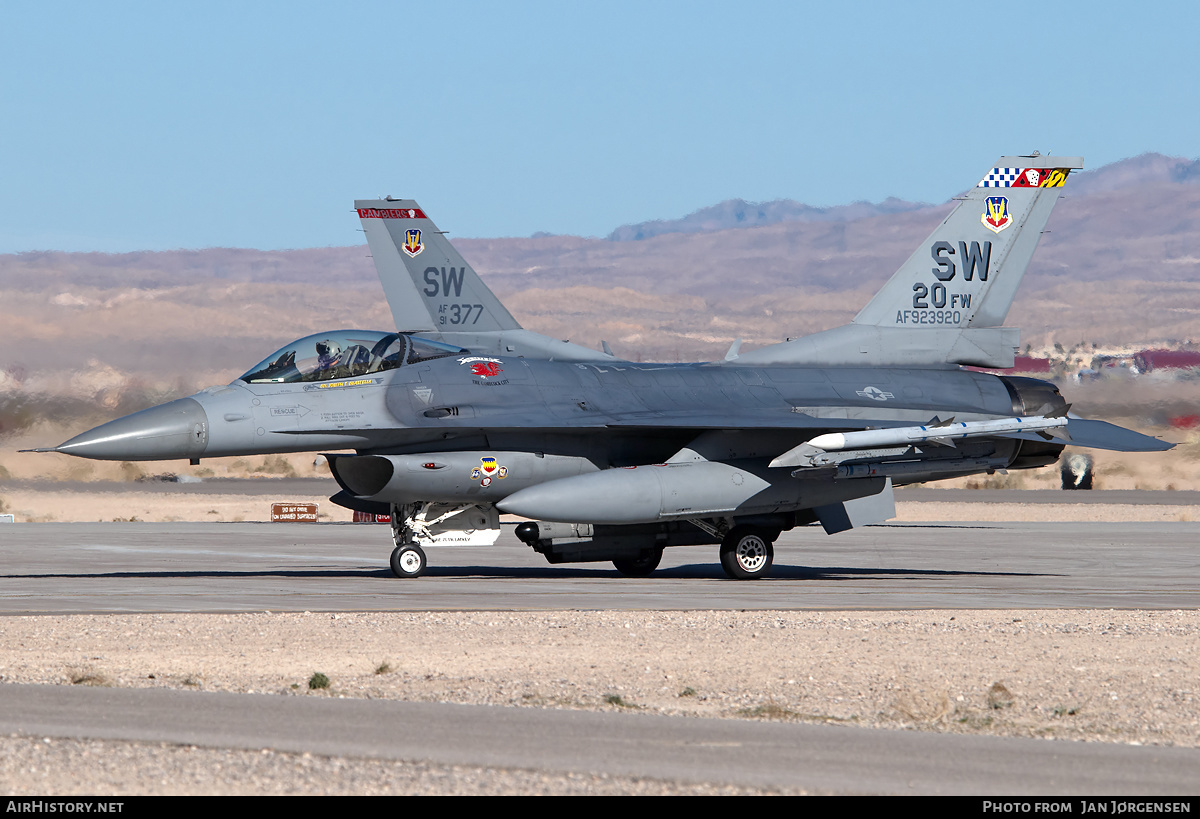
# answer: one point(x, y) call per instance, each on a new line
point(127, 126)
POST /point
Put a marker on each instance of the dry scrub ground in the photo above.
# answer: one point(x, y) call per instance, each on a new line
point(1110, 676)
point(1122, 676)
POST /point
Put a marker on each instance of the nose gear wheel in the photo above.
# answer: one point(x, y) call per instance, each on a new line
point(408, 560)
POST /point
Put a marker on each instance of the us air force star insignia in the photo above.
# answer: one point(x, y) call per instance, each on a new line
point(875, 394)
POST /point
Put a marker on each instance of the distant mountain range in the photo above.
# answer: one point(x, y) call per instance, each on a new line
point(1137, 171)
point(738, 213)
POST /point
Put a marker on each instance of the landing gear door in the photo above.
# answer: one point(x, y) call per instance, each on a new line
point(440, 524)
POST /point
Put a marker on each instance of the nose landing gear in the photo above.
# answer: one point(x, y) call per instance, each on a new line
point(408, 560)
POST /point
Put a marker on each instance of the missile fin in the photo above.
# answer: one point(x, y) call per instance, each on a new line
point(797, 456)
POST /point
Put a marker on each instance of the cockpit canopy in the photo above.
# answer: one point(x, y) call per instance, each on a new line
point(343, 354)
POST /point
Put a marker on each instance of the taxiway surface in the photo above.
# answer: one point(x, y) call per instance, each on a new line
point(196, 567)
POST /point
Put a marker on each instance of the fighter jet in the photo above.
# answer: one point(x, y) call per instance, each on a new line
point(460, 414)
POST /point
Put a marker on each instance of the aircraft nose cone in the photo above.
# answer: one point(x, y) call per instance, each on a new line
point(178, 429)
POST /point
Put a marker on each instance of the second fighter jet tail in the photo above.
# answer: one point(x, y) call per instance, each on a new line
point(432, 290)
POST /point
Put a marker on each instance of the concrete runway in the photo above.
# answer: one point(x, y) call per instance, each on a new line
point(148, 567)
point(163, 567)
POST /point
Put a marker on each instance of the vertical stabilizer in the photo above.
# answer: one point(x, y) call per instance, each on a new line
point(429, 286)
point(966, 273)
point(946, 305)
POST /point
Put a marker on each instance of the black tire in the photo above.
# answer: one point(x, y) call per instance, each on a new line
point(409, 561)
point(640, 566)
point(747, 553)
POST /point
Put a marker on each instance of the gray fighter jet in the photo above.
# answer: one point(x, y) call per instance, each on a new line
point(460, 414)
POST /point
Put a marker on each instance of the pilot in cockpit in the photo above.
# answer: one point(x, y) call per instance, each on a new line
point(327, 354)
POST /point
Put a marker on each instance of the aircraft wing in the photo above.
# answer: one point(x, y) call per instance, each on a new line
point(743, 419)
point(1080, 432)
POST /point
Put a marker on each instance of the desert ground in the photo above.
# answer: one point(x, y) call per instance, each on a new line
point(1097, 676)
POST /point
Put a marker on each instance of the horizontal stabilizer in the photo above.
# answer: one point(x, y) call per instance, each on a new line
point(1103, 435)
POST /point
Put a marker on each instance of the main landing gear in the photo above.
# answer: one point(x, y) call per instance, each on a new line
point(747, 553)
point(747, 550)
point(640, 566)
